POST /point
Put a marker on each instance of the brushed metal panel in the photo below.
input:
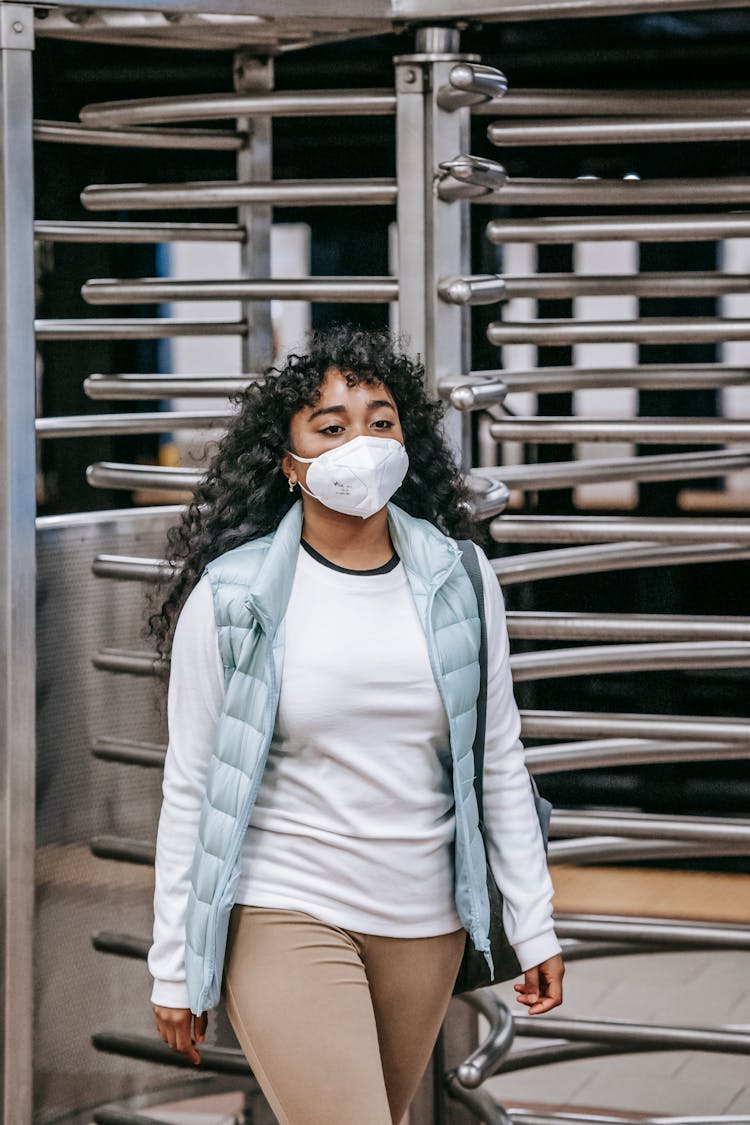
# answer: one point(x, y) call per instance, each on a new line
point(77, 990)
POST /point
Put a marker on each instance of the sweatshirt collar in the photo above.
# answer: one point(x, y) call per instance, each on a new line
point(427, 554)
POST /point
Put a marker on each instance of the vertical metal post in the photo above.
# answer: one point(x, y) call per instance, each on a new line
point(433, 243)
point(254, 75)
point(433, 235)
point(18, 568)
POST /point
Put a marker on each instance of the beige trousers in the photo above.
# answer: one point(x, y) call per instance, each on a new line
point(338, 1026)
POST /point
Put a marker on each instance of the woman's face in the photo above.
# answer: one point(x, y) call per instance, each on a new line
point(341, 413)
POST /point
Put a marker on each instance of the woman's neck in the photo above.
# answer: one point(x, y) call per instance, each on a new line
point(349, 541)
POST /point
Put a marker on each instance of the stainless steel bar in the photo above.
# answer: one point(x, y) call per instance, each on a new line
point(450, 382)
point(65, 231)
point(215, 107)
point(589, 724)
point(617, 103)
point(371, 17)
point(630, 228)
point(626, 626)
point(661, 431)
point(18, 568)
point(615, 849)
point(432, 241)
point(221, 1060)
point(588, 950)
point(631, 929)
point(185, 30)
point(254, 77)
point(126, 387)
point(141, 328)
point(196, 140)
point(615, 131)
point(432, 238)
point(531, 9)
point(123, 850)
point(480, 289)
point(186, 26)
point(647, 826)
point(129, 662)
point(217, 194)
point(565, 285)
point(158, 422)
point(519, 191)
point(479, 1102)
point(593, 529)
point(487, 1059)
point(496, 1043)
point(538, 565)
point(121, 945)
point(486, 1002)
point(623, 658)
point(650, 330)
point(112, 474)
point(130, 568)
point(626, 751)
point(147, 290)
point(526, 1117)
point(652, 376)
point(666, 466)
point(476, 395)
point(129, 752)
point(489, 497)
point(718, 1038)
point(466, 177)
point(471, 83)
point(523, 1059)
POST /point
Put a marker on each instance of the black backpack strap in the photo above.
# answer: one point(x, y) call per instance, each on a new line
point(471, 565)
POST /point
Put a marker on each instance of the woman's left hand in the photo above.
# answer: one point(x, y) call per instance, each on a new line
point(542, 986)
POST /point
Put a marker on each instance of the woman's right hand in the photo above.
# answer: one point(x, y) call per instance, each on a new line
point(181, 1029)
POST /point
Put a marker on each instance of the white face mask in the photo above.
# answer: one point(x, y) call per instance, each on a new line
point(359, 477)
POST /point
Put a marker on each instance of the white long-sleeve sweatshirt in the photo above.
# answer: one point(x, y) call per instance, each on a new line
point(353, 820)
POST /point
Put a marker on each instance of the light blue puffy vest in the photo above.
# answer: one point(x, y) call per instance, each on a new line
point(251, 585)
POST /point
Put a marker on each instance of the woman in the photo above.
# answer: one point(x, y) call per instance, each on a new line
point(318, 861)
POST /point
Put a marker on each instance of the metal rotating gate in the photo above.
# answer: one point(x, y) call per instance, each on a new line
point(82, 742)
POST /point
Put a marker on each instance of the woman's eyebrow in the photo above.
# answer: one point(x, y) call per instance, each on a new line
point(327, 410)
point(341, 409)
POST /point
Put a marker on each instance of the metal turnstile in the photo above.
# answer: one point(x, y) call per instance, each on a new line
point(80, 824)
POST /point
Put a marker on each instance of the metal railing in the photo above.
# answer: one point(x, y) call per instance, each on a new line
point(431, 103)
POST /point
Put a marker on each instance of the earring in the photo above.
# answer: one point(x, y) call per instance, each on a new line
point(291, 484)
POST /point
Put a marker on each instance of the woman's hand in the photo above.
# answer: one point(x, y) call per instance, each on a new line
point(542, 986)
point(174, 1026)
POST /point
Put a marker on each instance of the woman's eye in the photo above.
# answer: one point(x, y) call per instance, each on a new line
point(387, 424)
point(329, 429)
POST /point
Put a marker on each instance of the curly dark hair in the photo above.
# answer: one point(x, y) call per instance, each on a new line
point(244, 493)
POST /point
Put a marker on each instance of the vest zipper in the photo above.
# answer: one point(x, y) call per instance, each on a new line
point(246, 811)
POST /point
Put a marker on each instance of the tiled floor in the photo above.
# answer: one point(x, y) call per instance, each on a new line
point(676, 989)
point(700, 989)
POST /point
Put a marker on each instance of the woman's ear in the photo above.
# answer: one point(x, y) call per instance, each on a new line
point(288, 468)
